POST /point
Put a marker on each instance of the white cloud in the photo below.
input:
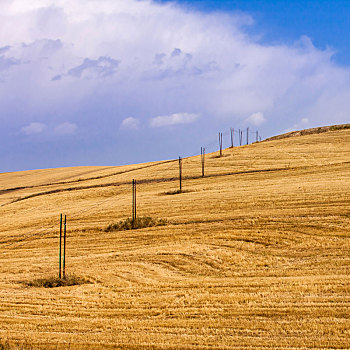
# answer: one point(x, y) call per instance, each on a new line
point(65, 128)
point(165, 56)
point(130, 123)
point(174, 119)
point(256, 119)
point(33, 128)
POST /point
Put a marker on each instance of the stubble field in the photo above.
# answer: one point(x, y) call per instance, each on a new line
point(255, 255)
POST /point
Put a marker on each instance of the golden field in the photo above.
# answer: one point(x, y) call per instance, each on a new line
point(256, 255)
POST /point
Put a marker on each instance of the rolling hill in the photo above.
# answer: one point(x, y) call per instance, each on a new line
point(255, 255)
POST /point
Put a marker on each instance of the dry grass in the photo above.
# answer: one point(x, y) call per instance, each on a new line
point(255, 255)
point(138, 223)
point(54, 281)
point(311, 131)
point(10, 345)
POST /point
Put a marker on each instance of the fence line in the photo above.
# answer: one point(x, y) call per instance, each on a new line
point(43, 231)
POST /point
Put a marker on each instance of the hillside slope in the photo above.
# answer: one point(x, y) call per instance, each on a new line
point(318, 130)
point(255, 255)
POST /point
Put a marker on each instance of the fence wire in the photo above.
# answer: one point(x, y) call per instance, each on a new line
point(52, 229)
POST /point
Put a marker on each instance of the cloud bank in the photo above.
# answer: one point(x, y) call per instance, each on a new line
point(94, 63)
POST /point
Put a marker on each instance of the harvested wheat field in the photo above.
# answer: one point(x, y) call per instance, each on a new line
point(255, 255)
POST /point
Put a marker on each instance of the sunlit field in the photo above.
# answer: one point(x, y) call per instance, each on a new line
point(255, 254)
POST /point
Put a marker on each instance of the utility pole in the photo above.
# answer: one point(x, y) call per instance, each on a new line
point(64, 246)
point(60, 251)
point(232, 135)
point(220, 143)
point(133, 201)
point(180, 173)
point(202, 159)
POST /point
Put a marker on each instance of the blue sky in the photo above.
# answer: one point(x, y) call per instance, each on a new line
point(110, 82)
point(325, 22)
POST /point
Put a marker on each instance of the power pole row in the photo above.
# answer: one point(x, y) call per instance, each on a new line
point(134, 214)
point(240, 137)
point(63, 224)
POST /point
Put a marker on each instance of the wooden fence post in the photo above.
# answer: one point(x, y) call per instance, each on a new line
point(180, 173)
point(232, 136)
point(60, 251)
point(134, 213)
point(135, 201)
point(64, 246)
point(202, 159)
point(220, 143)
point(247, 136)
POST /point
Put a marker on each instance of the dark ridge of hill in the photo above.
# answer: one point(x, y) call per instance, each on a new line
point(317, 130)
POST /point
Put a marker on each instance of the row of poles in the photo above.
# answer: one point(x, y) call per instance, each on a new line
point(63, 234)
point(232, 131)
point(63, 223)
point(240, 137)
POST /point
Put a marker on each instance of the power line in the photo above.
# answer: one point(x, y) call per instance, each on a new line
point(43, 231)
